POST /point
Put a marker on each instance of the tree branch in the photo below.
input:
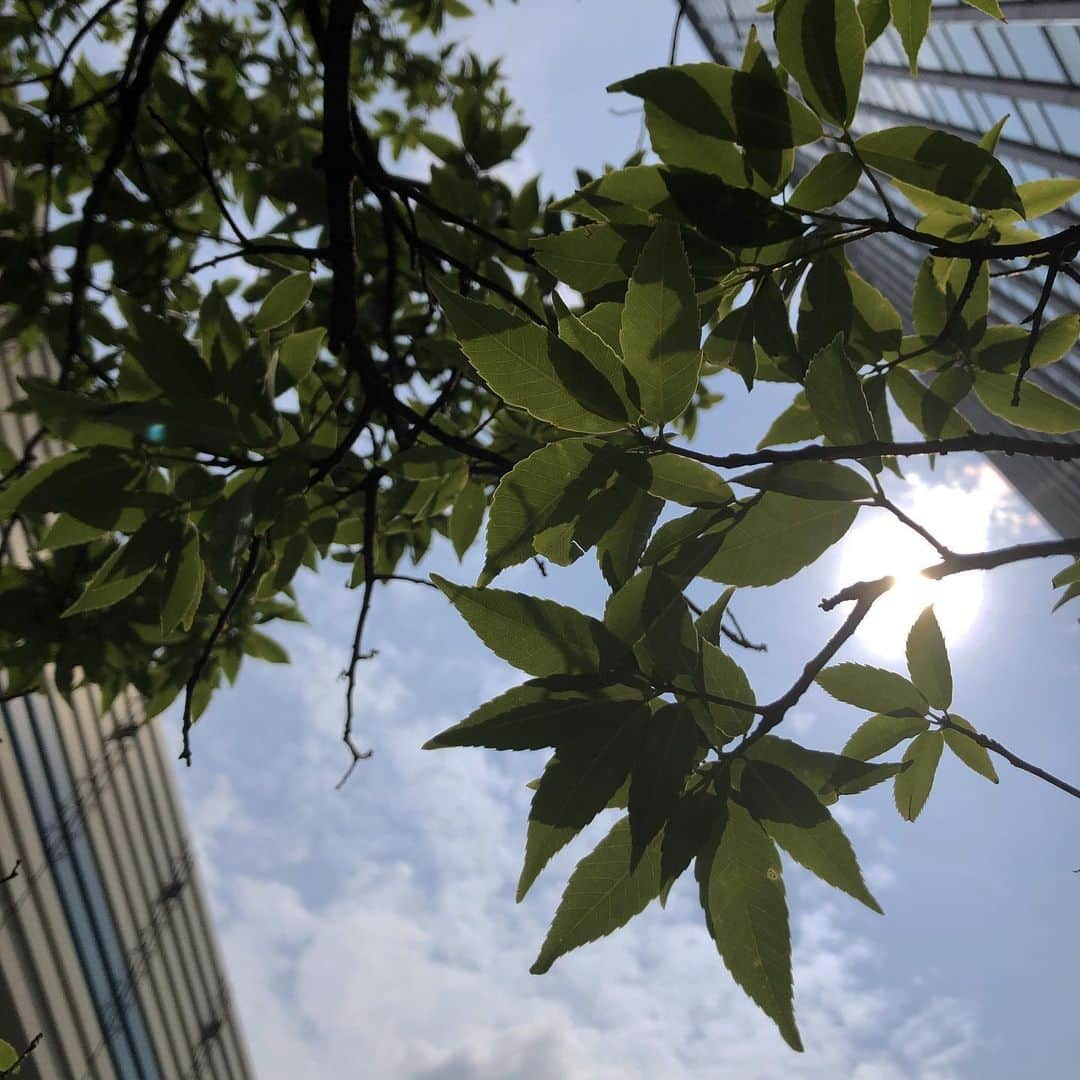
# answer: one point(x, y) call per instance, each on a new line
point(1013, 759)
point(1004, 444)
point(129, 104)
point(204, 657)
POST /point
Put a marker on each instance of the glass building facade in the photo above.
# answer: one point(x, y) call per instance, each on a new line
point(973, 71)
point(106, 946)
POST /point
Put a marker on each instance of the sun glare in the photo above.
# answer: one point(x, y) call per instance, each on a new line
point(959, 517)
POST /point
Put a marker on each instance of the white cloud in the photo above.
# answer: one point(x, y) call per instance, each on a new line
point(407, 957)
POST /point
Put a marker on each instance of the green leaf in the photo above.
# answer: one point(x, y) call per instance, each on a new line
point(169, 359)
point(65, 483)
point(836, 396)
point(829, 775)
point(1037, 411)
point(67, 531)
point(606, 890)
point(540, 713)
point(1068, 576)
point(742, 894)
point(991, 7)
point(968, 750)
point(731, 344)
point(911, 19)
point(928, 660)
point(823, 45)
point(832, 179)
point(720, 676)
point(912, 786)
point(1002, 347)
point(708, 622)
point(942, 163)
point(127, 567)
point(777, 537)
point(794, 817)
point(541, 490)
point(650, 614)
point(796, 423)
point(660, 334)
point(299, 351)
point(575, 787)
point(619, 548)
point(772, 329)
point(8, 1055)
point(183, 584)
point(265, 648)
point(687, 482)
point(591, 256)
point(530, 367)
point(685, 834)
point(937, 294)
point(465, 518)
point(598, 352)
point(536, 636)
point(733, 216)
point(631, 196)
point(881, 733)
point(282, 302)
point(668, 752)
point(809, 480)
point(874, 15)
point(873, 689)
point(932, 409)
point(1041, 196)
point(720, 103)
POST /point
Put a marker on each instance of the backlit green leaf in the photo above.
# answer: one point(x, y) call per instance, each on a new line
point(660, 335)
point(687, 482)
point(529, 366)
point(605, 891)
point(577, 784)
point(742, 894)
point(465, 518)
point(540, 713)
point(1037, 411)
point(973, 755)
point(724, 104)
point(928, 660)
point(591, 256)
point(809, 480)
point(537, 636)
point(777, 537)
point(873, 689)
point(836, 396)
point(941, 163)
point(911, 19)
point(668, 753)
point(282, 302)
point(823, 45)
point(881, 733)
point(795, 818)
point(831, 179)
point(912, 786)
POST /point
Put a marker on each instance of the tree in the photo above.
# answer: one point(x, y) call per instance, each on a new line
point(399, 358)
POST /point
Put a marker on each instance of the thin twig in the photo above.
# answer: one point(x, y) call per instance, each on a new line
point(371, 490)
point(1015, 760)
point(204, 657)
point(1005, 444)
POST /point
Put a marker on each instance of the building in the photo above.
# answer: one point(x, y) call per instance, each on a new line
point(972, 72)
point(106, 946)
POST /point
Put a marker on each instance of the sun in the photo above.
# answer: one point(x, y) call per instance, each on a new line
point(957, 516)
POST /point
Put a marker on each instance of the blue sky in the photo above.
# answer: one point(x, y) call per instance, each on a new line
point(373, 931)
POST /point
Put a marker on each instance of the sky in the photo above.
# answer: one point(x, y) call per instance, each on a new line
point(373, 931)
